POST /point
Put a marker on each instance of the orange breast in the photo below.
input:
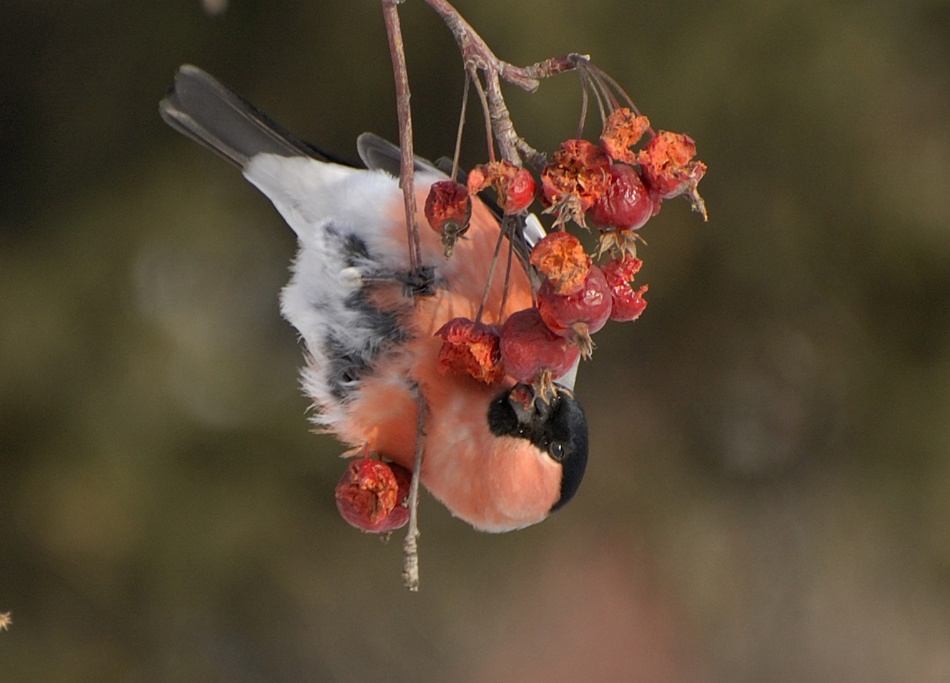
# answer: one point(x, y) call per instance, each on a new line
point(459, 447)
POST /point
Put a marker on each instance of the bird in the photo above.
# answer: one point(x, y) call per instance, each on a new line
point(368, 321)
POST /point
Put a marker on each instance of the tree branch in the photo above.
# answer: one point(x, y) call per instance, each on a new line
point(476, 55)
point(410, 546)
point(404, 114)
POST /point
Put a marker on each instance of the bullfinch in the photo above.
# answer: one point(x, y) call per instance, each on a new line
point(368, 322)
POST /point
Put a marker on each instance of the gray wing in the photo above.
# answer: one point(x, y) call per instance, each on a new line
point(381, 154)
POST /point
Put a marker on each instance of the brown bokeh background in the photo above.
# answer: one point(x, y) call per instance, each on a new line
point(768, 498)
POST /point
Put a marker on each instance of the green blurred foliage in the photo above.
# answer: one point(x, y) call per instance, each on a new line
point(769, 488)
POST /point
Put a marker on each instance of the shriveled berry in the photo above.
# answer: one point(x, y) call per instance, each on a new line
point(575, 178)
point(561, 259)
point(668, 168)
point(581, 313)
point(626, 303)
point(371, 495)
point(471, 348)
point(626, 203)
point(529, 348)
point(448, 209)
point(622, 130)
point(514, 186)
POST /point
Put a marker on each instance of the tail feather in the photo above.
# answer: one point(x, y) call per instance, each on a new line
point(201, 108)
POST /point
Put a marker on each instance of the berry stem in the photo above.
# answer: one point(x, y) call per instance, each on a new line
point(491, 271)
point(511, 249)
point(584, 105)
point(486, 111)
point(605, 88)
point(458, 136)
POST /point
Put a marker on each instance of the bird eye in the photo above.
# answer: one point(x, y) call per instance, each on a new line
point(556, 450)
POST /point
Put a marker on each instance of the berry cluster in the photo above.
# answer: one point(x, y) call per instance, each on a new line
point(610, 187)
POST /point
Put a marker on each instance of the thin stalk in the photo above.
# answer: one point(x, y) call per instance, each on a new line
point(491, 272)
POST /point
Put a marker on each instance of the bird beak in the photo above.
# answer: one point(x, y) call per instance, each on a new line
point(526, 403)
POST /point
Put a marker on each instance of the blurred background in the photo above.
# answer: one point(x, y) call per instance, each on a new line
point(768, 496)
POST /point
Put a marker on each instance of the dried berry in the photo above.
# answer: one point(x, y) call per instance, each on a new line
point(668, 168)
point(577, 315)
point(530, 350)
point(514, 186)
point(622, 130)
point(471, 348)
point(575, 178)
point(560, 257)
point(448, 209)
point(626, 303)
point(371, 495)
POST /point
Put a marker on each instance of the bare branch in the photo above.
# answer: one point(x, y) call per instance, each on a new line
point(410, 546)
point(406, 170)
point(477, 56)
point(404, 113)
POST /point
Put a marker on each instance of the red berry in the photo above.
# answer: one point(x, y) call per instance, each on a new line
point(528, 348)
point(588, 307)
point(519, 192)
point(471, 348)
point(626, 204)
point(448, 209)
point(371, 493)
point(627, 304)
point(514, 186)
point(560, 257)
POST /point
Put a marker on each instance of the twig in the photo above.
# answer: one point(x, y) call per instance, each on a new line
point(404, 114)
point(410, 575)
point(410, 546)
point(477, 56)
point(474, 49)
point(502, 126)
